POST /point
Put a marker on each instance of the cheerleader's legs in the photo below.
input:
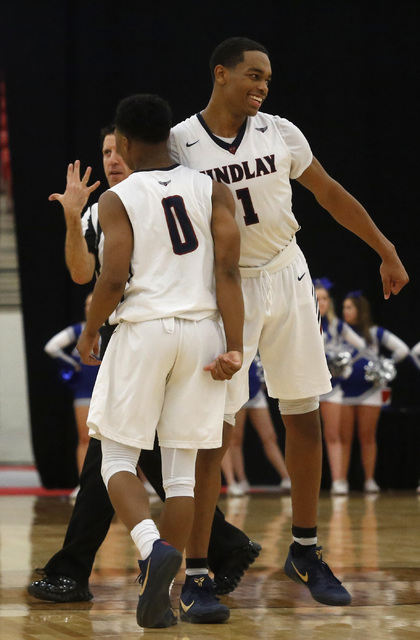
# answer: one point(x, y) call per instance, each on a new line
point(236, 447)
point(331, 416)
point(367, 422)
point(348, 417)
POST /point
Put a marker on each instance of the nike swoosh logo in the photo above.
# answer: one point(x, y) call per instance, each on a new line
point(190, 144)
point(185, 607)
point(305, 577)
point(300, 277)
point(262, 129)
point(143, 586)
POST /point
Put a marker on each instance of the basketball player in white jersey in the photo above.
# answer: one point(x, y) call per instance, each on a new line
point(170, 232)
point(256, 155)
point(65, 577)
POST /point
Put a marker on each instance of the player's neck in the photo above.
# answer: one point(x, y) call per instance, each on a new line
point(222, 122)
point(154, 157)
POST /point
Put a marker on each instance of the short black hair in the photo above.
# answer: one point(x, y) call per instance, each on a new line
point(108, 130)
point(230, 52)
point(144, 117)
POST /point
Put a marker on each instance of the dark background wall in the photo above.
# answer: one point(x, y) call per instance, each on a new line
point(344, 72)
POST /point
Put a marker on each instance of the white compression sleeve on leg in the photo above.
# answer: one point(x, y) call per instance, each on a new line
point(298, 407)
point(117, 457)
point(178, 472)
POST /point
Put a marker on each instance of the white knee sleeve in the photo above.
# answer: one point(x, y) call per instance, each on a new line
point(297, 407)
point(117, 457)
point(230, 418)
point(178, 472)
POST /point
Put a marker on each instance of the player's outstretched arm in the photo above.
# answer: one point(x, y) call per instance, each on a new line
point(109, 288)
point(80, 262)
point(226, 239)
point(348, 212)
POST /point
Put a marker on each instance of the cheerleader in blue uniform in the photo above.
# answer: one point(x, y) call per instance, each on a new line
point(365, 391)
point(258, 411)
point(339, 341)
point(80, 378)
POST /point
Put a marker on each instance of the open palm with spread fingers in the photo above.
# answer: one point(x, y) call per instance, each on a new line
point(77, 191)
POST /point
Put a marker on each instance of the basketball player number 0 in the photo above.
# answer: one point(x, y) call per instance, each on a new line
point(178, 221)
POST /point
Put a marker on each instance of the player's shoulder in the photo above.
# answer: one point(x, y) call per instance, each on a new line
point(185, 126)
point(282, 124)
point(193, 175)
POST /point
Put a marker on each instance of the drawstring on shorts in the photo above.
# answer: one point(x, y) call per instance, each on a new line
point(266, 282)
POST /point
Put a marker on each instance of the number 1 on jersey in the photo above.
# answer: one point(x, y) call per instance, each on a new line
point(250, 216)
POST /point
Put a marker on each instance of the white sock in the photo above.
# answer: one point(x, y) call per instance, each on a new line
point(144, 534)
point(306, 542)
point(196, 572)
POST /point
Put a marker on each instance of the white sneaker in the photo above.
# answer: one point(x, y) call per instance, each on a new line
point(244, 484)
point(371, 486)
point(339, 488)
point(236, 489)
point(285, 485)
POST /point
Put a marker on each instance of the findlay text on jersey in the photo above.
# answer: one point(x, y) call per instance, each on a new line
point(236, 172)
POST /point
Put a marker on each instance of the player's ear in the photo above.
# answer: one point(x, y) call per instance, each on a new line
point(125, 145)
point(220, 74)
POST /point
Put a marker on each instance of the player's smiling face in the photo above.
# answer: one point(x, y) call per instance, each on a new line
point(246, 85)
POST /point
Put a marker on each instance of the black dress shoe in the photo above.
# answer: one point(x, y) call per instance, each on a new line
point(232, 566)
point(59, 589)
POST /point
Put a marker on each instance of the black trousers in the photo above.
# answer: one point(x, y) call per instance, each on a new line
point(93, 513)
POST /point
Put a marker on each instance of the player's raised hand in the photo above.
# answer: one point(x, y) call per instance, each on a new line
point(77, 192)
point(225, 365)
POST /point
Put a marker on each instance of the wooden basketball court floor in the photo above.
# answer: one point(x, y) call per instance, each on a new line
point(372, 543)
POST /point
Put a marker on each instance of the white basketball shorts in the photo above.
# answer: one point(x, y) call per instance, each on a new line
point(152, 378)
point(282, 323)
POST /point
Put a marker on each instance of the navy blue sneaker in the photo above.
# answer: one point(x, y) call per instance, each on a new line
point(157, 573)
point(198, 602)
point(314, 574)
point(231, 568)
point(168, 620)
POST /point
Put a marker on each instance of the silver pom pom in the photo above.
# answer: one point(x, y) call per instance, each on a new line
point(339, 363)
point(380, 371)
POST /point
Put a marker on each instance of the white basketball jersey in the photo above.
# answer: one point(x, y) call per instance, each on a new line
point(172, 266)
point(257, 167)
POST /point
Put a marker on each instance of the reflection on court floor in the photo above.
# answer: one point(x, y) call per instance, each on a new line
point(372, 543)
